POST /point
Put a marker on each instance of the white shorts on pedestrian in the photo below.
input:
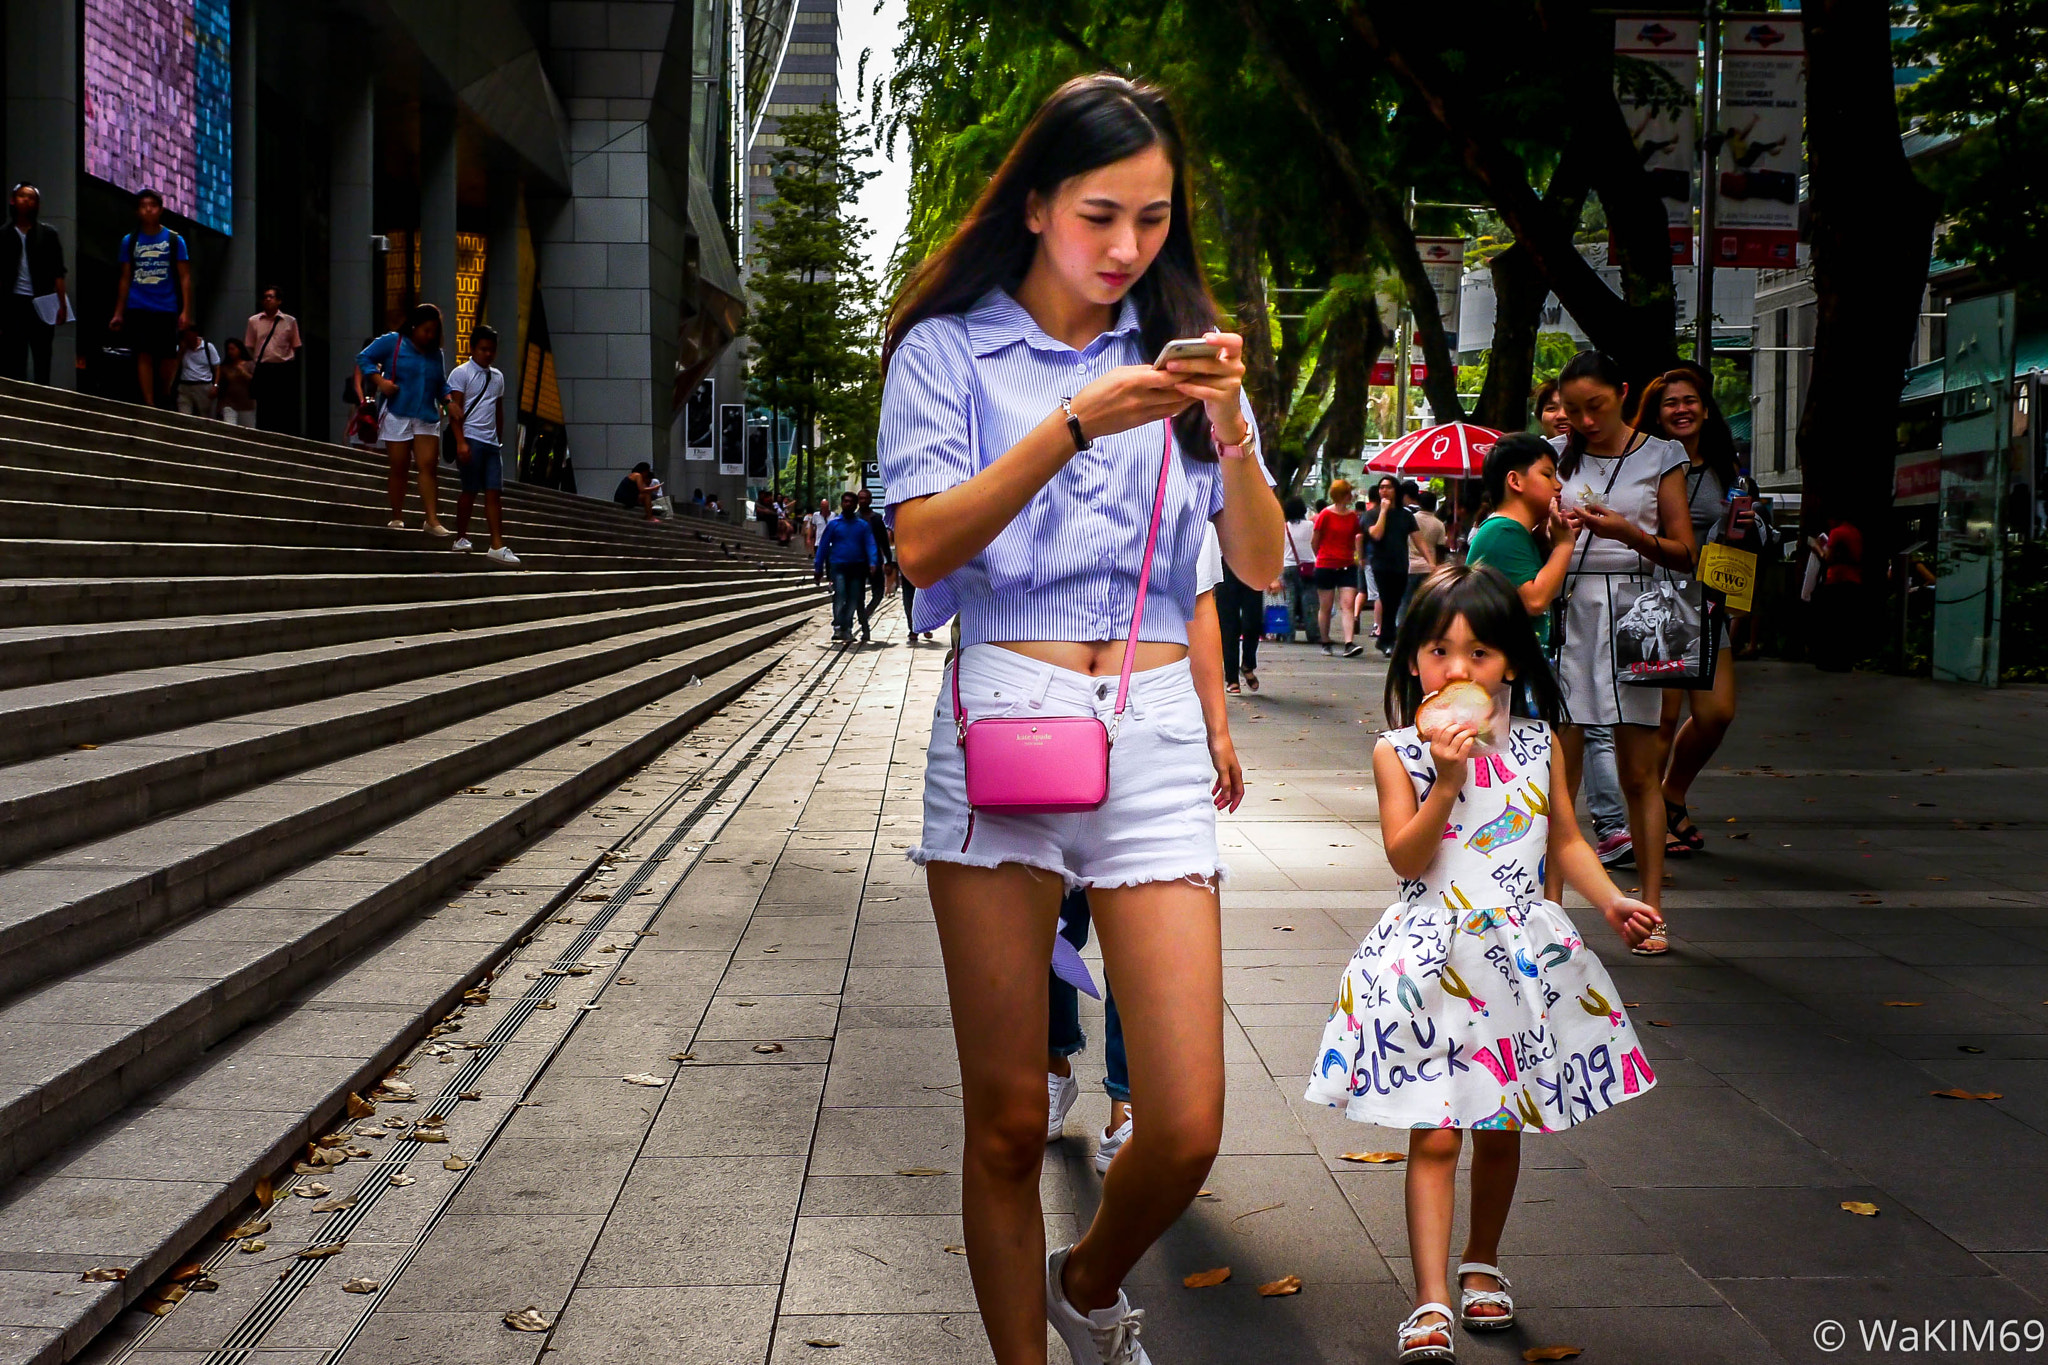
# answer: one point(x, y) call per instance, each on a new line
point(1159, 820)
point(392, 427)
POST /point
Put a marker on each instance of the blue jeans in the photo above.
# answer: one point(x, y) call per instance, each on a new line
point(1601, 781)
point(849, 596)
point(1063, 1033)
point(1301, 600)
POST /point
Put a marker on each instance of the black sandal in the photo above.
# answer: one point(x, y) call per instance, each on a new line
point(1685, 836)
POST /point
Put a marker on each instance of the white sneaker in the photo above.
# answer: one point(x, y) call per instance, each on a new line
point(1060, 1094)
point(501, 555)
point(394, 525)
point(462, 545)
point(1111, 1144)
point(1108, 1336)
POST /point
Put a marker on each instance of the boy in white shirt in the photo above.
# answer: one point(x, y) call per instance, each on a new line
point(476, 391)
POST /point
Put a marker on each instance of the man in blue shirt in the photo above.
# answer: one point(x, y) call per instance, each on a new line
point(153, 300)
point(848, 545)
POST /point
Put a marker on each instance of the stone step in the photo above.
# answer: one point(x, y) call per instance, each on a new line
point(49, 717)
point(38, 654)
point(66, 798)
point(81, 1050)
point(66, 601)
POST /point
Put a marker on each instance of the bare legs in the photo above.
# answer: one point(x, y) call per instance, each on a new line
point(1347, 614)
point(424, 451)
point(1691, 744)
point(494, 514)
point(1162, 943)
point(1431, 1193)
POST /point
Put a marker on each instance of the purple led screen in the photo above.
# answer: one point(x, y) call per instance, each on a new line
point(159, 104)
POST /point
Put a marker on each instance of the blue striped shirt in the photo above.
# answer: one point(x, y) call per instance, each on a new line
point(962, 390)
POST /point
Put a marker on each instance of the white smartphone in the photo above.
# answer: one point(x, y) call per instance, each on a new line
point(1186, 348)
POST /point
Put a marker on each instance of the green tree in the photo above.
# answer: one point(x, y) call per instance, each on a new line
point(1988, 90)
point(813, 318)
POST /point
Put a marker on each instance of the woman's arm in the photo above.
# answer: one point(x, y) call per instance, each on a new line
point(1569, 851)
point(1205, 660)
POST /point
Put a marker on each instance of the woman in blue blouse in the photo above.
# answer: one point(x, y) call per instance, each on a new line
point(406, 367)
point(1021, 438)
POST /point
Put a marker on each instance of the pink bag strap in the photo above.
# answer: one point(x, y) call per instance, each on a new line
point(1123, 686)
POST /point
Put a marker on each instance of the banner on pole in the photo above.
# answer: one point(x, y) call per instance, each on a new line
point(700, 422)
point(1763, 109)
point(1656, 77)
point(732, 438)
point(1443, 260)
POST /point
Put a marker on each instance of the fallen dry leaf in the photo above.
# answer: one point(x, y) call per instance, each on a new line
point(954, 1251)
point(1373, 1157)
point(335, 1205)
point(919, 1170)
point(1905, 1004)
point(427, 1135)
point(323, 1251)
point(822, 1343)
point(254, 1245)
point(251, 1229)
point(265, 1196)
point(1661, 1023)
point(1960, 1094)
point(642, 1078)
point(1207, 1279)
point(359, 1286)
point(767, 1047)
point(470, 1095)
point(527, 1319)
point(455, 1163)
point(315, 1190)
point(1857, 1206)
point(358, 1107)
point(401, 1179)
point(105, 1274)
point(1205, 1194)
point(682, 1056)
point(1280, 1288)
point(1535, 1353)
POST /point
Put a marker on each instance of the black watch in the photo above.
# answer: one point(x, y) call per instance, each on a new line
point(1081, 441)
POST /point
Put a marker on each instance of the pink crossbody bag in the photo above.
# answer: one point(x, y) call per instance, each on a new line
point(1052, 765)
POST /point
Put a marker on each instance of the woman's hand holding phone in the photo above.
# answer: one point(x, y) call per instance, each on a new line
point(1216, 381)
point(1126, 397)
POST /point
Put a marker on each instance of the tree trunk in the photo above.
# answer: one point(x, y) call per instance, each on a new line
point(1518, 293)
point(1869, 269)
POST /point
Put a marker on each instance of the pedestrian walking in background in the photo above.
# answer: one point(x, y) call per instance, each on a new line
point(885, 560)
point(272, 336)
point(237, 375)
point(1409, 1004)
point(1205, 664)
point(1298, 569)
point(153, 297)
point(1386, 559)
point(1335, 539)
point(1426, 544)
point(198, 373)
point(32, 263)
point(1025, 433)
point(847, 548)
point(476, 399)
point(814, 525)
point(1680, 406)
point(1839, 597)
point(407, 369)
point(1624, 493)
point(1241, 610)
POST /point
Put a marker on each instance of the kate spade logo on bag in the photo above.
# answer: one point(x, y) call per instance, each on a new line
point(1030, 736)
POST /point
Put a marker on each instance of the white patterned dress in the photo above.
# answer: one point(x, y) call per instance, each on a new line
point(1474, 1003)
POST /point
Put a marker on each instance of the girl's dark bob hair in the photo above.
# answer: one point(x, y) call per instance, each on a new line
point(1086, 124)
point(1494, 611)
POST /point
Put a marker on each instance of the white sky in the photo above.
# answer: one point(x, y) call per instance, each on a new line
point(885, 200)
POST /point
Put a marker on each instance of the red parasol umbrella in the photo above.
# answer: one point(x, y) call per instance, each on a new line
point(1455, 450)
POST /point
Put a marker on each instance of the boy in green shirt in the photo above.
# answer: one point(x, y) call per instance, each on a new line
point(1522, 486)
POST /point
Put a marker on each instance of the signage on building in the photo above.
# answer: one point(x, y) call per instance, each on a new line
point(1916, 479)
point(732, 438)
point(700, 422)
point(1383, 374)
point(1654, 83)
point(1763, 111)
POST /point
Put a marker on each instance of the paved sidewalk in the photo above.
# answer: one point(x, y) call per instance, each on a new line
point(794, 1180)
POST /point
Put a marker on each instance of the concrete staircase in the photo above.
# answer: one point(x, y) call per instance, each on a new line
point(246, 734)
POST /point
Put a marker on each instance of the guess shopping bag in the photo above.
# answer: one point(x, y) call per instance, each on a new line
point(1665, 633)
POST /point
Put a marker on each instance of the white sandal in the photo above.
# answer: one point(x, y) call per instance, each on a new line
point(1499, 1298)
point(1411, 1336)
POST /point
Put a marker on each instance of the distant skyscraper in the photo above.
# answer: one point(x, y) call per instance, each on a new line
point(808, 77)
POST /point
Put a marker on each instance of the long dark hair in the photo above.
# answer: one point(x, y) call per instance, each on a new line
point(1493, 609)
point(1717, 442)
point(1086, 124)
point(1599, 367)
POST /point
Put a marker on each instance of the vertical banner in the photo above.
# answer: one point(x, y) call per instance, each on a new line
point(757, 453)
point(700, 422)
point(1656, 82)
point(1443, 260)
point(1763, 108)
point(732, 438)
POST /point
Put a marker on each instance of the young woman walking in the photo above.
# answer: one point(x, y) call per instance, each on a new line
point(1679, 407)
point(1335, 541)
point(1022, 435)
point(1624, 492)
point(407, 369)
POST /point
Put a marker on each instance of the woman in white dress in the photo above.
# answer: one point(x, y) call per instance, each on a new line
point(1627, 490)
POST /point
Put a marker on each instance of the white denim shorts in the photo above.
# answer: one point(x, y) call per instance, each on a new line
point(392, 427)
point(1159, 821)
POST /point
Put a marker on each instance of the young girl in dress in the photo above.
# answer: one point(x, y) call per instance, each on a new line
point(1474, 1003)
